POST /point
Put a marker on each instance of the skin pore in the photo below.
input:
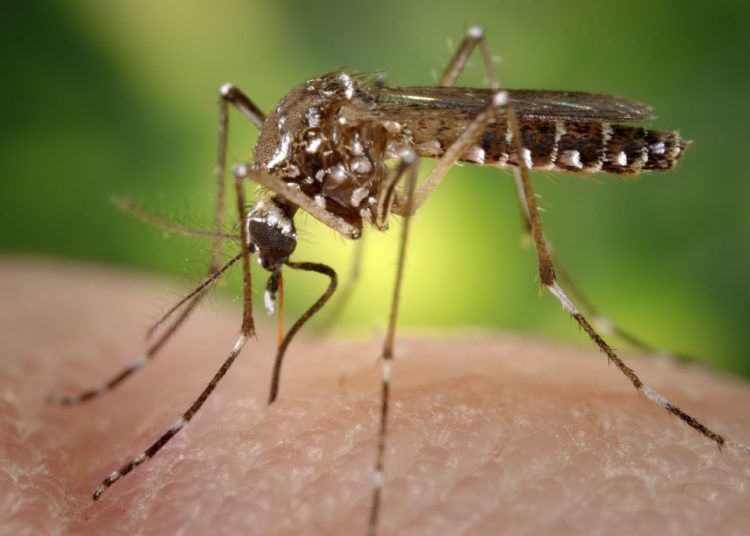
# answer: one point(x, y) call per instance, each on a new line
point(489, 433)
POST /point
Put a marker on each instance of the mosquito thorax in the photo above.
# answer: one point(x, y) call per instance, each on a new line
point(271, 232)
point(317, 141)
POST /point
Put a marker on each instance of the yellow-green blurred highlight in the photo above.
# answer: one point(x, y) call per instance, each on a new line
point(119, 97)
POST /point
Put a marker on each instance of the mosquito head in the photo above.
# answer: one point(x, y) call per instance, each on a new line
point(271, 232)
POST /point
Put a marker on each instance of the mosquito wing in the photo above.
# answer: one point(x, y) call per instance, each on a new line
point(527, 103)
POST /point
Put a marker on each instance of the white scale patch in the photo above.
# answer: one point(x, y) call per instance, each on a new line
point(239, 344)
point(431, 147)
point(559, 133)
point(361, 165)
point(658, 148)
point(392, 127)
point(675, 152)
point(269, 303)
point(386, 370)
point(313, 145)
point(474, 154)
point(178, 425)
point(358, 195)
point(607, 133)
point(503, 158)
point(356, 147)
point(500, 99)
point(621, 159)
point(348, 85)
point(226, 89)
point(526, 154)
point(337, 173)
point(136, 364)
point(273, 215)
point(377, 479)
point(313, 118)
point(240, 170)
point(656, 397)
point(320, 201)
point(282, 151)
point(365, 214)
point(570, 158)
point(564, 300)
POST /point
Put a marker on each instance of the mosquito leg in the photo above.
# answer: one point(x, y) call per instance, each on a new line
point(451, 155)
point(176, 427)
point(314, 308)
point(248, 330)
point(248, 324)
point(602, 322)
point(229, 95)
point(387, 353)
point(549, 281)
point(207, 283)
point(299, 199)
point(190, 300)
point(547, 271)
point(474, 36)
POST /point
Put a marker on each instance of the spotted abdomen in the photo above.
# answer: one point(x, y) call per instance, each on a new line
point(576, 146)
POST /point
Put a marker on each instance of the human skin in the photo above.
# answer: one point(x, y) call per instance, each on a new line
point(489, 434)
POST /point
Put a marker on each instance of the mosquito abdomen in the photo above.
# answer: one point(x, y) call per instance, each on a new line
point(575, 146)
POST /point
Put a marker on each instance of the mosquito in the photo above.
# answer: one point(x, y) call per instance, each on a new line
point(345, 149)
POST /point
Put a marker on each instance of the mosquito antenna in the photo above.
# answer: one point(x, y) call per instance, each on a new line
point(117, 379)
point(153, 219)
point(284, 344)
point(207, 282)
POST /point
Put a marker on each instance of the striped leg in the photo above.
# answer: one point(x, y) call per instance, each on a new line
point(187, 304)
point(549, 281)
point(601, 321)
point(474, 36)
point(387, 354)
point(248, 330)
point(451, 155)
point(176, 427)
point(228, 95)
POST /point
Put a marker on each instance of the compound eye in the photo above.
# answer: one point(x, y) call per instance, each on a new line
point(274, 247)
point(271, 230)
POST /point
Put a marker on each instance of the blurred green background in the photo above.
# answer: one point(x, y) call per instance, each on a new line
point(119, 97)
